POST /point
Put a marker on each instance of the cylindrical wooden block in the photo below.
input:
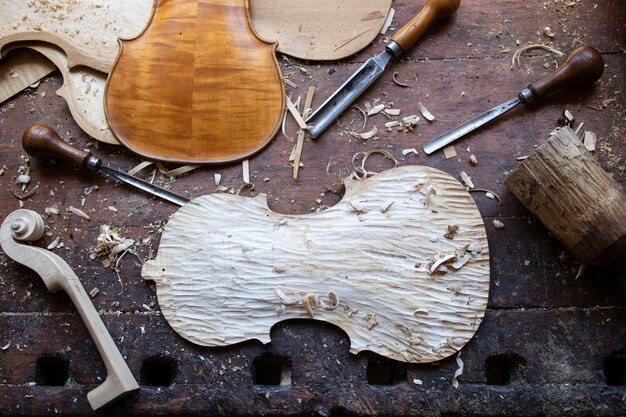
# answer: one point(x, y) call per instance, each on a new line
point(578, 202)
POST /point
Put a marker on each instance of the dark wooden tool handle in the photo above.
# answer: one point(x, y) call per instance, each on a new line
point(41, 140)
point(433, 10)
point(582, 67)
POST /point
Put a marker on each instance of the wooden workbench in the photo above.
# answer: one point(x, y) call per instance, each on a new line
point(550, 344)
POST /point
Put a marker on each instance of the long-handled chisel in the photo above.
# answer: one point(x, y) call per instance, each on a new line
point(41, 140)
point(365, 76)
point(582, 67)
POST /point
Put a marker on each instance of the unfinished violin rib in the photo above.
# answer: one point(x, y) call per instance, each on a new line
point(401, 264)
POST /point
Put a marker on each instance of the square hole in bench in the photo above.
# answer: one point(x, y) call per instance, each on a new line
point(271, 370)
point(615, 369)
point(158, 371)
point(383, 371)
point(503, 369)
point(52, 371)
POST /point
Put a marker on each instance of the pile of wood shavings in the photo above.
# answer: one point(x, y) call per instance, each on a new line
point(111, 245)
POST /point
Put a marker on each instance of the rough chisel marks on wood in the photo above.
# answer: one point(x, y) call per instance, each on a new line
point(378, 265)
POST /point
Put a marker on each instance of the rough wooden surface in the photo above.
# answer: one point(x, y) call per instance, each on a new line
point(381, 264)
point(565, 187)
point(560, 331)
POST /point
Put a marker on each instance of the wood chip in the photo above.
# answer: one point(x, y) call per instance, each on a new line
point(388, 22)
point(54, 243)
point(427, 115)
point(245, 165)
point(467, 180)
point(498, 224)
point(590, 140)
point(473, 160)
point(406, 152)
point(94, 292)
point(78, 212)
point(449, 152)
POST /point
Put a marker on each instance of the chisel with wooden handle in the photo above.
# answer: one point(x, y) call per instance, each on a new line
point(40, 140)
point(365, 76)
point(583, 66)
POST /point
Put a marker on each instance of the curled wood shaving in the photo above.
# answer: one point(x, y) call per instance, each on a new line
point(171, 173)
point(52, 210)
point(515, 61)
point(30, 193)
point(110, 244)
point(481, 190)
point(406, 152)
point(330, 303)
point(458, 372)
point(376, 109)
point(402, 84)
point(366, 135)
point(360, 172)
point(286, 300)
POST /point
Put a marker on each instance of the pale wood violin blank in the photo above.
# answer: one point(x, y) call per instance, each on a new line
point(197, 86)
point(26, 225)
point(401, 264)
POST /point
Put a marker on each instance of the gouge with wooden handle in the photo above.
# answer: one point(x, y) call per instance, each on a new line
point(365, 76)
point(582, 67)
point(41, 140)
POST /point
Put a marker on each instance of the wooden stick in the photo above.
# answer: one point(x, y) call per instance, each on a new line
point(579, 203)
point(26, 225)
point(308, 102)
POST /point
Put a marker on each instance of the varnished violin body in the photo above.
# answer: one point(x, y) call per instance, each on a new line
point(197, 86)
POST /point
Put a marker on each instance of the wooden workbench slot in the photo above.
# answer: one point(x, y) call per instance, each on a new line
point(383, 371)
point(503, 369)
point(158, 371)
point(615, 369)
point(52, 371)
point(271, 370)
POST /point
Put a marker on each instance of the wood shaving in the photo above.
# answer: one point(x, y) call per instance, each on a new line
point(392, 112)
point(366, 135)
point(406, 152)
point(110, 244)
point(54, 243)
point(473, 160)
point(385, 208)
point(308, 102)
point(427, 115)
point(360, 172)
point(515, 61)
point(30, 193)
point(375, 110)
point(498, 224)
point(94, 292)
point(402, 84)
point(296, 115)
point(330, 303)
point(458, 372)
point(388, 22)
point(549, 32)
point(78, 212)
point(590, 140)
point(467, 180)
point(245, 165)
point(52, 210)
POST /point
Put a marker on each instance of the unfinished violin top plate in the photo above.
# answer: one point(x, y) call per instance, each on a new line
point(401, 264)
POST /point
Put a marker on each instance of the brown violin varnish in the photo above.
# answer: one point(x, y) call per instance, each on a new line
point(579, 203)
point(197, 86)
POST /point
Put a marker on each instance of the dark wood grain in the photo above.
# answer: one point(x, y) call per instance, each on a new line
point(558, 329)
